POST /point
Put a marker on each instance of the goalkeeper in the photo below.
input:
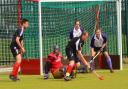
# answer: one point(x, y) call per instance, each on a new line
point(54, 64)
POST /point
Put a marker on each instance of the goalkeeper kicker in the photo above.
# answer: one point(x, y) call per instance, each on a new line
point(54, 65)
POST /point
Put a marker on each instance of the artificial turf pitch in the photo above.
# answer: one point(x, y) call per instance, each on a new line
point(117, 80)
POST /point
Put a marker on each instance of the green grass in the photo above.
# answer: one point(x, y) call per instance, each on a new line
point(117, 80)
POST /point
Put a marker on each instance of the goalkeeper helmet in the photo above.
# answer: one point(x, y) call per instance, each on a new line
point(56, 47)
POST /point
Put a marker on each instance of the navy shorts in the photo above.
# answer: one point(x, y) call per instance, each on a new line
point(71, 55)
point(96, 49)
point(15, 50)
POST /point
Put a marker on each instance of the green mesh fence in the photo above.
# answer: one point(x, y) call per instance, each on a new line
point(70, 5)
point(126, 5)
point(58, 19)
point(125, 27)
point(108, 24)
point(29, 10)
point(8, 25)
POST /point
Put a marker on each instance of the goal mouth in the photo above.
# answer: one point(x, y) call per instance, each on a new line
point(55, 17)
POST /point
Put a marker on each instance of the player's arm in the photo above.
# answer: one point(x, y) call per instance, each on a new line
point(104, 42)
point(92, 51)
point(80, 55)
point(70, 35)
point(20, 44)
point(92, 46)
point(104, 45)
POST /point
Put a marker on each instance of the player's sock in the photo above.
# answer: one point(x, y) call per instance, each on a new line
point(69, 69)
point(109, 62)
point(15, 69)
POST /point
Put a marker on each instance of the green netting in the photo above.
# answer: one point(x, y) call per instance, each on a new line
point(29, 10)
point(70, 4)
point(8, 25)
point(58, 19)
point(126, 6)
point(125, 27)
point(108, 23)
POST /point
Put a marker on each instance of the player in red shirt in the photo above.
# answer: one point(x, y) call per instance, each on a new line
point(54, 64)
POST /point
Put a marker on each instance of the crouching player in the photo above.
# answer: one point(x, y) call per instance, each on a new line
point(98, 44)
point(73, 52)
point(54, 64)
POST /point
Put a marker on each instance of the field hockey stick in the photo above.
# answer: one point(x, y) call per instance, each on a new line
point(97, 75)
point(98, 53)
point(95, 56)
point(75, 72)
point(93, 71)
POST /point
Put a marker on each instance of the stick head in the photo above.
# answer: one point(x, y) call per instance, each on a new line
point(101, 78)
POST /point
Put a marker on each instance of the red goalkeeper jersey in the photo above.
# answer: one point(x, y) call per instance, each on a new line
point(55, 61)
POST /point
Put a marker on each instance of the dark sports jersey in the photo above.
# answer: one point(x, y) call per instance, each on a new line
point(75, 44)
point(18, 33)
point(97, 43)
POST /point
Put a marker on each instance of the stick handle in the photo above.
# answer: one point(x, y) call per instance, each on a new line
point(96, 55)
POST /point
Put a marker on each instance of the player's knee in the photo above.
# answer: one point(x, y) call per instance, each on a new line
point(93, 54)
point(72, 63)
point(106, 54)
point(78, 64)
point(19, 58)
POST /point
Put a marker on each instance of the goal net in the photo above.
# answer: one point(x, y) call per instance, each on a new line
point(57, 19)
point(52, 20)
